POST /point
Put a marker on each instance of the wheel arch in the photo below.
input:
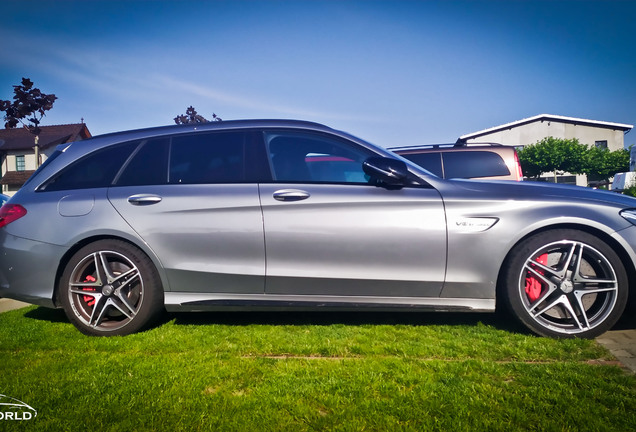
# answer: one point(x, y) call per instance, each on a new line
point(88, 240)
point(620, 250)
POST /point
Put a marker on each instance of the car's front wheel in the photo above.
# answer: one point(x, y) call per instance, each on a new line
point(110, 288)
point(565, 283)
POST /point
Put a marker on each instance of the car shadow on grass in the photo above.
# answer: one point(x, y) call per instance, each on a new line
point(499, 320)
point(319, 318)
point(47, 314)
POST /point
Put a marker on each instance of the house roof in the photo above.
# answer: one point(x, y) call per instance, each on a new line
point(16, 177)
point(22, 139)
point(548, 117)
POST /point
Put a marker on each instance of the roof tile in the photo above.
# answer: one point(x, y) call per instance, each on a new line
point(22, 139)
point(16, 177)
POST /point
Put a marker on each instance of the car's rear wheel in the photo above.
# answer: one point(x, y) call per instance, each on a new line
point(565, 283)
point(111, 288)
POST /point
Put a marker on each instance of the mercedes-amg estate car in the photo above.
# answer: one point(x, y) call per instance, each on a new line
point(295, 215)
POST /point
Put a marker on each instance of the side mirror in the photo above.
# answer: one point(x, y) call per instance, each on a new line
point(390, 171)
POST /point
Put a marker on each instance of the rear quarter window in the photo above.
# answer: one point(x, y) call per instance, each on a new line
point(95, 170)
point(473, 164)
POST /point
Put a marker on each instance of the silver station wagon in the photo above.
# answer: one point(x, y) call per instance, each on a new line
point(296, 215)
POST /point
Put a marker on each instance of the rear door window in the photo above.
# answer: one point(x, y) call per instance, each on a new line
point(201, 158)
point(148, 166)
point(219, 157)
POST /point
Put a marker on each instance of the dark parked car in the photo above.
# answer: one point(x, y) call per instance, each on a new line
point(479, 161)
point(295, 215)
point(3, 199)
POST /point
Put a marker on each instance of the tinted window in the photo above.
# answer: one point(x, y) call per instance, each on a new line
point(217, 157)
point(432, 162)
point(149, 165)
point(472, 164)
point(221, 157)
point(96, 170)
point(308, 158)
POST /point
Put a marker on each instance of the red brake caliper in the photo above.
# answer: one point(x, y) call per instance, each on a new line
point(89, 299)
point(533, 285)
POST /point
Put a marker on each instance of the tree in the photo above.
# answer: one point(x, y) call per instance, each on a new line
point(603, 164)
point(28, 107)
point(191, 116)
point(553, 155)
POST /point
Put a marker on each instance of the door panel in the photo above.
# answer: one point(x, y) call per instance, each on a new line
point(353, 239)
point(209, 238)
point(194, 199)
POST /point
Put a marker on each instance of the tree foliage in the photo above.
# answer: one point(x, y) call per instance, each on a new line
point(28, 107)
point(603, 164)
point(553, 155)
point(569, 155)
point(191, 116)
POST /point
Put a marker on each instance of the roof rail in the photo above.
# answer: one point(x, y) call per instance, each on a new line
point(449, 145)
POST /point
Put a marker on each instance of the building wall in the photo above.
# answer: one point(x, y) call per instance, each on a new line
point(9, 164)
point(532, 132)
point(9, 190)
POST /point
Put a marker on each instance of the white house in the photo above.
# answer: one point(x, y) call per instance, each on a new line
point(20, 156)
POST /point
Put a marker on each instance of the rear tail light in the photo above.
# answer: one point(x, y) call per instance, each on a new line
point(519, 171)
point(10, 213)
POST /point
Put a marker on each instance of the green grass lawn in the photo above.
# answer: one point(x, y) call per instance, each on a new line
point(310, 371)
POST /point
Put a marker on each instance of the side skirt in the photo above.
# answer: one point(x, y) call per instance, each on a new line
point(193, 302)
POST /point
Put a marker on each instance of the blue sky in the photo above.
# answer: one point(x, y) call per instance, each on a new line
point(392, 72)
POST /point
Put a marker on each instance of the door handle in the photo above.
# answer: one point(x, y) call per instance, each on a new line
point(144, 199)
point(291, 195)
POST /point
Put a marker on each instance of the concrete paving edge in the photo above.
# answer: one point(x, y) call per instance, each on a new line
point(622, 345)
point(8, 304)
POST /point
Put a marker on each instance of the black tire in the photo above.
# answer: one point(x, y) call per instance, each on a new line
point(565, 283)
point(111, 288)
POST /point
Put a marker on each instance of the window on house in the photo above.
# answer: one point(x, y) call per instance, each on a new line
point(20, 163)
point(601, 144)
